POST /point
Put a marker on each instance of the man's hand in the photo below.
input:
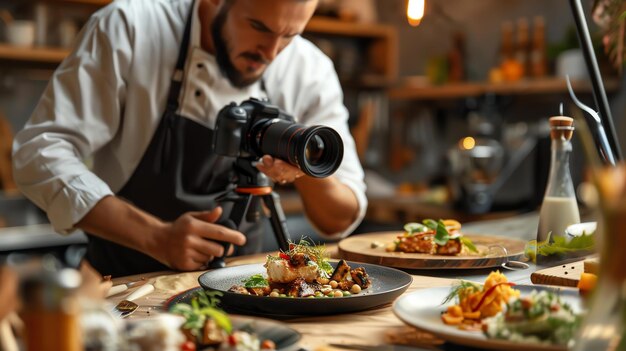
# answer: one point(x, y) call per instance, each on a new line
point(190, 242)
point(278, 170)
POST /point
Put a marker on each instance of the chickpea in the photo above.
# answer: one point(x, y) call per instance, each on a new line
point(355, 289)
point(337, 293)
point(274, 294)
point(333, 284)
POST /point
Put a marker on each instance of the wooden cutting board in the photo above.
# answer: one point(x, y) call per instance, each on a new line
point(359, 248)
point(566, 274)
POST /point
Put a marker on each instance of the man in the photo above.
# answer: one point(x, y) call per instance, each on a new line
point(140, 93)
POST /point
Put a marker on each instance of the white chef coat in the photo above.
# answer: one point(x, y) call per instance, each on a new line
point(106, 99)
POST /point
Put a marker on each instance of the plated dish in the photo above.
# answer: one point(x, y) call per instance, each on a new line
point(442, 237)
point(532, 317)
point(491, 251)
point(386, 284)
point(252, 333)
point(304, 271)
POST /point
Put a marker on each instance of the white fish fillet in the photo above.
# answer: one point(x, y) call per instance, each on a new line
point(280, 271)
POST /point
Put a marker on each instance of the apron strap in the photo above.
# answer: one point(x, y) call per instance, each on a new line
point(177, 78)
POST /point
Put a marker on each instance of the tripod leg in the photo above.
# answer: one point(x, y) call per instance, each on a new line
point(232, 221)
point(278, 220)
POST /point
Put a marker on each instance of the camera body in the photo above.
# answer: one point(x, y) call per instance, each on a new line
point(237, 127)
point(255, 128)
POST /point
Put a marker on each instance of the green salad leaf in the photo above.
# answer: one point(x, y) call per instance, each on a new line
point(203, 305)
point(430, 223)
point(255, 281)
point(413, 227)
point(441, 233)
point(554, 245)
point(468, 243)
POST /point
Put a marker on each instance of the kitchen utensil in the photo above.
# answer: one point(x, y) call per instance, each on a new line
point(116, 289)
point(126, 307)
point(595, 124)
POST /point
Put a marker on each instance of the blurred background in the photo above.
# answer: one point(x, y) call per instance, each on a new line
point(449, 102)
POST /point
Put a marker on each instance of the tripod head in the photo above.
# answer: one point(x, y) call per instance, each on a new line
point(251, 183)
point(248, 176)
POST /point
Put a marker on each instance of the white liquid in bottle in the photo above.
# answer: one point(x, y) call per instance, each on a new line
point(559, 208)
point(556, 214)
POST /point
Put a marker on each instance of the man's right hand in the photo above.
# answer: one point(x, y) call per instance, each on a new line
point(186, 244)
point(192, 240)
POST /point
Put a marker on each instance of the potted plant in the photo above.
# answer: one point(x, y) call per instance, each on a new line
point(610, 16)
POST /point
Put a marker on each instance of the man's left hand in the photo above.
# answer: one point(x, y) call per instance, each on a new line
point(278, 170)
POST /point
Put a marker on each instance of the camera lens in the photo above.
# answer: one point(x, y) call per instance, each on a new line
point(316, 150)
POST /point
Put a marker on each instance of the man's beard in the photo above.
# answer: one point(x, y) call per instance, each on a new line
point(221, 54)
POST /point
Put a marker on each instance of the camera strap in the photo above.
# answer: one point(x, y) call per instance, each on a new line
point(179, 71)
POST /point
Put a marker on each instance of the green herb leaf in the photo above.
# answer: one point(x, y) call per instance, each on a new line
point(327, 267)
point(413, 227)
point(430, 223)
point(559, 245)
point(220, 318)
point(461, 286)
point(202, 306)
point(441, 235)
point(256, 281)
point(468, 243)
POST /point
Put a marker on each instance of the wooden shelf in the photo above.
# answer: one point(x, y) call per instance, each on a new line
point(383, 50)
point(381, 47)
point(524, 87)
point(327, 25)
point(32, 54)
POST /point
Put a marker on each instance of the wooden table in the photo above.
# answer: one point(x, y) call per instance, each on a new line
point(372, 327)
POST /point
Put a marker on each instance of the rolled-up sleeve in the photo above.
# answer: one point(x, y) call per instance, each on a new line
point(324, 105)
point(79, 112)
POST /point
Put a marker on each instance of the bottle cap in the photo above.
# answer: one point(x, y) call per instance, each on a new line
point(561, 127)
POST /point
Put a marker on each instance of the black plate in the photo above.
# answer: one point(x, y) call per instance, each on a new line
point(387, 284)
point(285, 338)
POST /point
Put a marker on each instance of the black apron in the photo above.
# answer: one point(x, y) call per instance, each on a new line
point(177, 174)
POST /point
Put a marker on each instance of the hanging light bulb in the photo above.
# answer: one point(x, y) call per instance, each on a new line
point(415, 12)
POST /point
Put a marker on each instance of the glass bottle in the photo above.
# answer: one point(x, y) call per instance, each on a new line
point(559, 208)
point(51, 309)
point(538, 61)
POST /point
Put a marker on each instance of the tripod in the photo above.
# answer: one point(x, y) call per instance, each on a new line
point(251, 183)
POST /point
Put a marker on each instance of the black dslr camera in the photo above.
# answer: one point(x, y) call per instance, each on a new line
point(255, 128)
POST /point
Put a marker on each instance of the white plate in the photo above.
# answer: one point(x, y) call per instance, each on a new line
point(422, 309)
